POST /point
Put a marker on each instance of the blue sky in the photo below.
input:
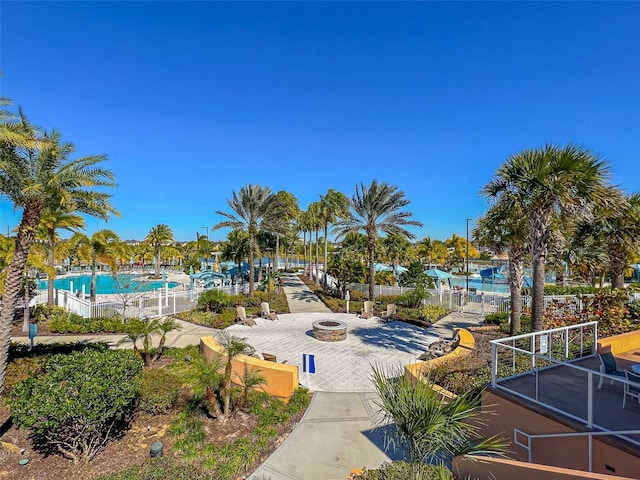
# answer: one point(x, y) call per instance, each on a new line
point(191, 101)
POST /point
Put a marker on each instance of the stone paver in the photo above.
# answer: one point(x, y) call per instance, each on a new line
point(340, 366)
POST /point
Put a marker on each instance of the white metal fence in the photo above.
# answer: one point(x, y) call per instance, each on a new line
point(147, 305)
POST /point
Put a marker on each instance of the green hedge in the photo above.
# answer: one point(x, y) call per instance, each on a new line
point(159, 390)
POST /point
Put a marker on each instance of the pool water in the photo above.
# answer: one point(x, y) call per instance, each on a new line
point(479, 285)
point(107, 284)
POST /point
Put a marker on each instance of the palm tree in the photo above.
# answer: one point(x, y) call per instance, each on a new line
point(504, 228)
point(333, 205)
point(232, 346)
point(427, 426)
point(34, 176)
point(396, 249)
point(236, 248)
point(377, 207)
point(315, 224)
point(617, 222)
point(167, 325)
point(424, 249)
point(206, 380)
point(250, 207)
point(51, 220)
point(285, 210)
point(97, 249)
point(545, 182)
point(158, 236)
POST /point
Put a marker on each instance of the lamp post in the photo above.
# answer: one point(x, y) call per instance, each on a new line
point(204, 226)
point(467, 256)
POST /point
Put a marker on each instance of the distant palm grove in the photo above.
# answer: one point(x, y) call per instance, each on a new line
point(550, 208)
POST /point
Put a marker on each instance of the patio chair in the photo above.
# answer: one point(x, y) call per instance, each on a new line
point(608, 366)
point(367, 310)
point(390, 314)
point(632, 387)
point(242, 318)
point(270, 357)
point(266, 312)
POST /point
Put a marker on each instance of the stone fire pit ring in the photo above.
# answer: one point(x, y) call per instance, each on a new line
point(329, 330)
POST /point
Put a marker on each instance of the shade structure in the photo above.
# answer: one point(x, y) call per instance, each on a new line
point(438, 274)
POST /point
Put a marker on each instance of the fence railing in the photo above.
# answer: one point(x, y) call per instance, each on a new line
point(542, 368)
point(147, 305)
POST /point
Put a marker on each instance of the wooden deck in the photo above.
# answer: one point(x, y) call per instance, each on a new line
point(566, 389)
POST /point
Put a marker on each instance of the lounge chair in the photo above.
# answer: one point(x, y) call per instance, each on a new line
point(367, 310)
point(270, 357)
point(608, 366)
point(243, 319)
point(266, 312)
point(390, 314)
point(632, 388)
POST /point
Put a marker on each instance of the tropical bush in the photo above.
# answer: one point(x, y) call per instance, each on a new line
point(413, 298)
point(159, 390)
point(401, 471)
point(79, 403)
point(433, 313)
point(160, 468)
point(213, 300)
point(60, 320)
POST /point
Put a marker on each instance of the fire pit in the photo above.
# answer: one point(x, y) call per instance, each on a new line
point(329, 330)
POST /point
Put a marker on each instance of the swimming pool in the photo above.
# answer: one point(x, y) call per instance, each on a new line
point(479, 285)
point(125, 283)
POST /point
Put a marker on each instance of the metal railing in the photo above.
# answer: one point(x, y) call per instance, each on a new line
point(530, 356)
point(529, 437)
point(147, 305)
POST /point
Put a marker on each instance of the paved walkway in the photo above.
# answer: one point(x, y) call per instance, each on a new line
point(338, 431)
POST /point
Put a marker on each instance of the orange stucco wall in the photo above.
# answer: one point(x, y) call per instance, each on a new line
point(571, 452)
point(281, 379)
point(619, 344)
point(417, 370)
point(503, 469)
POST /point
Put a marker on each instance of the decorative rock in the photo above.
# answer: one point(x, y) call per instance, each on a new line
point(23, 462)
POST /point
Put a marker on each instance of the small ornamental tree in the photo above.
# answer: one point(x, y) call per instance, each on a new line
point(213, 300)
point(79, 403)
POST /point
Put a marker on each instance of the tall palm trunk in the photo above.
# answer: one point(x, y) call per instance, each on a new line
point(326, 243)
point(371, 245)
point(50, 262)
point(516, 275)
point(92, 289)
point(317, 257)
point(618, 257)
point(276, 260)
point(24, 240)
point(539, 224)
point(156, 273)
point(252, 248)
point(304, 249)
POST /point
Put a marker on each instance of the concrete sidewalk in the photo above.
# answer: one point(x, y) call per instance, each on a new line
point(336, 434)
point(300, 298)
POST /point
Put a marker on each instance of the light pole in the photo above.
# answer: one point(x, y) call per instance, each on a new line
point(204, 226)
point(467, 256)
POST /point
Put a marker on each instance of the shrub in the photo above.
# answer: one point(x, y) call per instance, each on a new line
point(400, 471)
point(160, 468)
point(432, 313)
point(496, 318)
point(213, 300)
point(80, 403)
point(413, 298)
point(159, 390)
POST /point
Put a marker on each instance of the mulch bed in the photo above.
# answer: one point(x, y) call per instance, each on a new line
point(131, 449)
